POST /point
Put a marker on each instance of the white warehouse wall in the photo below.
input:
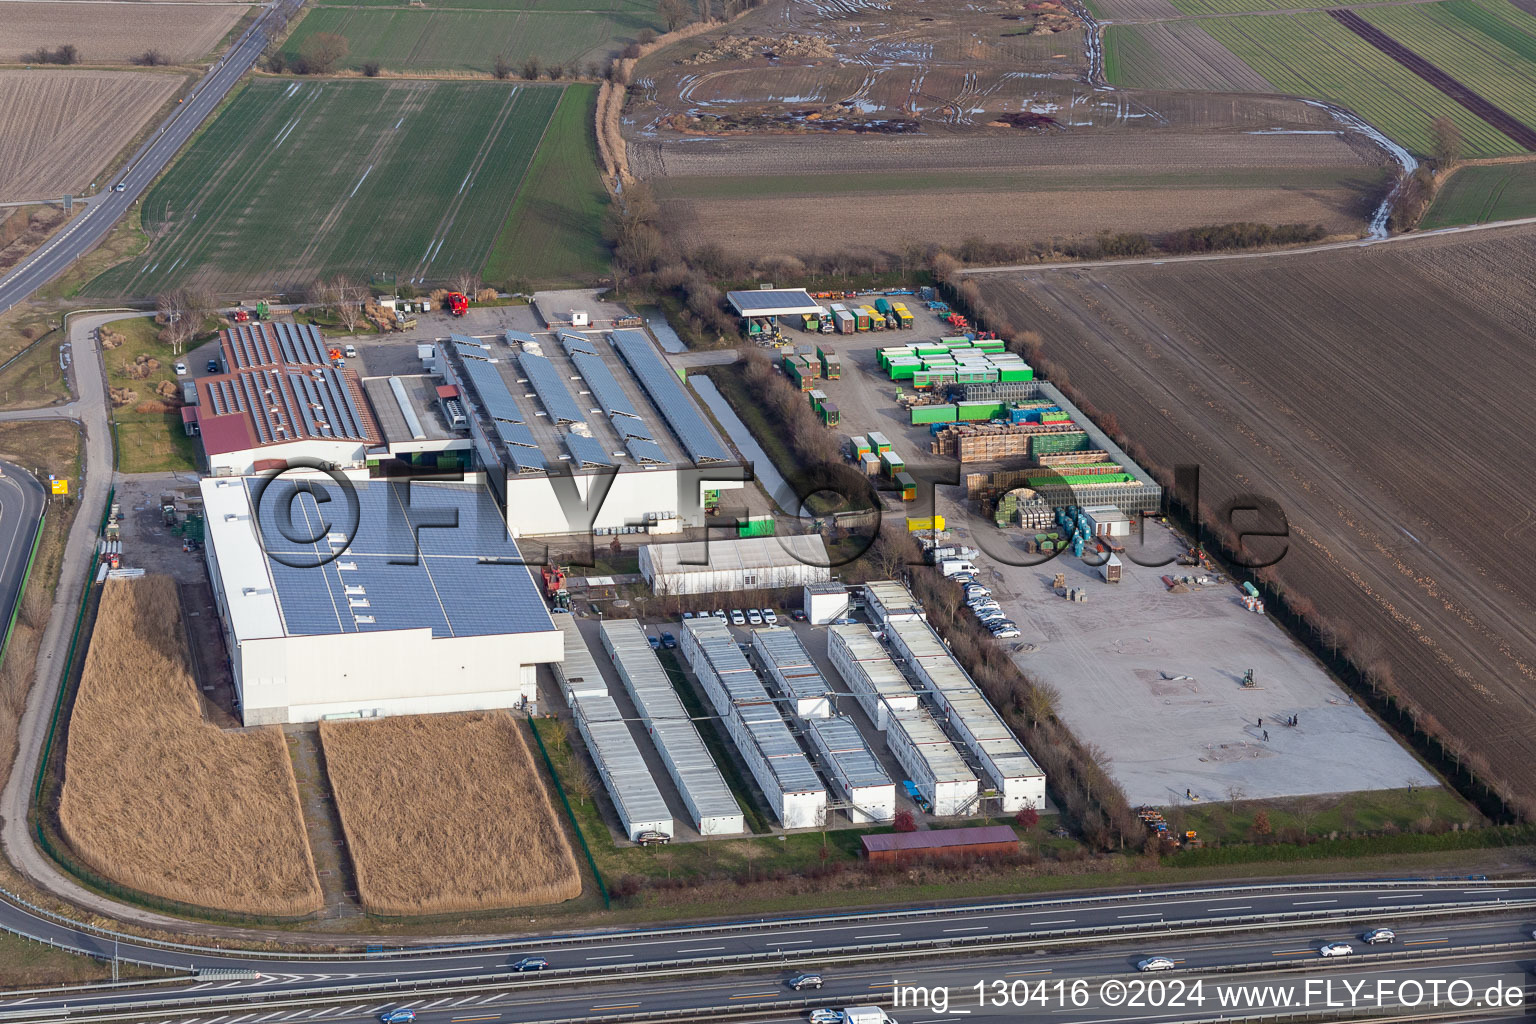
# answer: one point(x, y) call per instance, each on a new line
point(303, 678)
point(534, 507)
point(342, 454)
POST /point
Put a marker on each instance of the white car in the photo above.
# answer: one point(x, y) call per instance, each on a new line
point(1336, 949)
point(976, 591)
point(738, 619)
point(1006, 634)
point(754, 616)
point(770, 616)
point(1155, 963)
point(826, 1015)
point(181, 369)
point(120, 187)
point(1376, 935)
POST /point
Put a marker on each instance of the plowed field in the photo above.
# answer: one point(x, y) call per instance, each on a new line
point(61, 127)
point(112, 33)
point(1382, 396)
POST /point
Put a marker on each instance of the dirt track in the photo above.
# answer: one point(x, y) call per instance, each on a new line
point(1382, 396)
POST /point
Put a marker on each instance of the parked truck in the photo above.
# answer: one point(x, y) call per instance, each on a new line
point(866, 1015)
point(457, 303)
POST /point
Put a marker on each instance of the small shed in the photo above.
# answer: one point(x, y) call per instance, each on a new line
point(1110, 570)
point(982, 840)
point(824, 602)
point(1108, 521)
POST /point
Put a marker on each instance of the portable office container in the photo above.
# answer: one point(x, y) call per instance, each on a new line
point(907, 486)
point(879, 442)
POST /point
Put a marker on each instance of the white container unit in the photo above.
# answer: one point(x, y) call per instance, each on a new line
point(824, 602)
point(889, 601)
point(770, 750)
point(640, 805)
point(853, 768)
point(578, 675)
point(1010, 770)
point(870, 673)
point(735, 565)
point(935, 765)
point(789, 665)
point(709, 800)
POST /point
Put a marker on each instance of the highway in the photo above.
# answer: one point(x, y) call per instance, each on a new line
point(22, 498)
point(1200, 929)
point(105, 209)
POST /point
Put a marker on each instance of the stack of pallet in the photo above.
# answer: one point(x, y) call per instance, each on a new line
point(982, 443)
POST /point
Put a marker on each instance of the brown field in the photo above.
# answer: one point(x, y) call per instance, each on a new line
point(62, 127)
point(113, 33)
point(1382, 396)
point(158, 799)
point(848, 193)
point(495, 843)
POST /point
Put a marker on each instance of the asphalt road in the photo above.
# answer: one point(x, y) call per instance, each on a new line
point(105, 209)
point(21, 507)
point(802, 941)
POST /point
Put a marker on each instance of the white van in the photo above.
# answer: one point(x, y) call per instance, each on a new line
point(956, 566)
point(350, 352)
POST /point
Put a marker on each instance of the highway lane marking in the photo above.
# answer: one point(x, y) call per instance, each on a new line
point(1124, 917)
point(612, 956)
point(883, 984)
point(1065, 920)
point(969, 928)
point(701, 949)
point(1401, 896)
point(1025, 974)
point(1292, 952)
point(466, 999)
point(756, 995)
point(1313, 903)
point(1218, 910)
point(1482, 892)
point(791, 942)
point(497, 1016)
point(880, 935)
point(618, 1006)
point(435, 1002)
point(279, 1013)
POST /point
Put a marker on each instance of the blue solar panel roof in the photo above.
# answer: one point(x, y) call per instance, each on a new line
point(643, 450)
point(421, 555)
point(605, 387)
point(516, 337)
point(492, 391)
point(551, 389)
point(574, 342)
point(588, 451)
point(667, 393)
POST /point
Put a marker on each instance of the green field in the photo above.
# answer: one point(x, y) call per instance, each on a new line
point(295, 180)
point(470, 37)
point(1455, 36)
point(1252, 6)
point(1476, 195)
point(1313, 55)
point(554, 232)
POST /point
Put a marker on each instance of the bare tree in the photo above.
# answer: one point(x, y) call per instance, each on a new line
point(531, 69)
point(347, 296)
point(673, 12)
point(501, 67)
point(581, 784)
point(467, 283)
point(1234, 794)
point(181, 319)
point(1447, 142)
point(321, 53)
point(556, 736)
point(1040, 703)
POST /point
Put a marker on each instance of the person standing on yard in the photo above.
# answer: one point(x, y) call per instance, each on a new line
point(1266, 735)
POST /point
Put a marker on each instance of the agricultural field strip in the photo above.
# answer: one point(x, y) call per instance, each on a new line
point(1505, 74)
point(255, 162)
point(112, 33)
point(1313, 55)
point(1175, 55)
point(1479, 194)
point(1447, 83)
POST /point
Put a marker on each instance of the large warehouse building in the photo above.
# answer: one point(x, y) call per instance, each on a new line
point(280, 400)
point(582, 432)
point(394, 598)
point(735, 564)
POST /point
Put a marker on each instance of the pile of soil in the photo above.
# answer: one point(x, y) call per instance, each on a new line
point(750, 47)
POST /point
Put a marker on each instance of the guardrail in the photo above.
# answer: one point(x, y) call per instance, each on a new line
point(470, 983)
point(491, 945)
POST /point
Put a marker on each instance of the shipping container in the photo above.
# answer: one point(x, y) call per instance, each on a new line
point(879, 442)
point(845, 322)
point(907, 486)
point(831, 366)
point(980, 410)
point(933, 414)
point(870, 463)
point(817, 396)
point(892, 463)
point(903, 369)
point(830, 415)
point(861, 318)
point(860, 445)
point(883, 305)
point(934, 522)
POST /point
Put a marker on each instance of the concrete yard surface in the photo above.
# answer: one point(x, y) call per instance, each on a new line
point(1155, 679)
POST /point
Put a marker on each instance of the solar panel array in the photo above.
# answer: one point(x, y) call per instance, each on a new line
point(645, 451)
point(289, 405)
point(587, 451)
point(470, 348)
point(639, 439)
point(550, 387)
point(512, 337)
point(575, 342)
point(506, 416)
point(273, 342)
point(422, 556)
point(667, 393)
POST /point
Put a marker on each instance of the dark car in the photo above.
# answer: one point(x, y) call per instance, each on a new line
point(213, 366)
point(654, 641)
point(668, 641)
point(804, 980)
point(798, 614)
point(530, 963)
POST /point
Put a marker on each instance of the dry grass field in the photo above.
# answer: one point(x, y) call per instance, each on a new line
point(813, 196)
point(158, 799)
point(61, 127)
point(1382, 396)
point(445, 814)
point(114, 33)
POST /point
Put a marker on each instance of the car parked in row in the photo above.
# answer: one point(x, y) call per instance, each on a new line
point(737, 618)
point(770, 617)
point(754, 617)
point(668, 641)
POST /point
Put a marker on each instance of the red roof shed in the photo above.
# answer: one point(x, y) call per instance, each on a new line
point(985, 840)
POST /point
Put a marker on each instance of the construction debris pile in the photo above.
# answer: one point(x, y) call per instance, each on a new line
point(749, 47)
